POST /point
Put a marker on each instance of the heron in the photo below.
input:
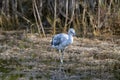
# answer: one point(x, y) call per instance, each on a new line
point(62, 41)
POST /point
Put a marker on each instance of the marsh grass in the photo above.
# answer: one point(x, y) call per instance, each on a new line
point(34, 59)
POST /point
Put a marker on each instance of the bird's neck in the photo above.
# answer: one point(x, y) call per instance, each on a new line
point(70, 38)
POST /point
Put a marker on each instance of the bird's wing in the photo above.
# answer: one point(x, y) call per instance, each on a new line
point(59, 38)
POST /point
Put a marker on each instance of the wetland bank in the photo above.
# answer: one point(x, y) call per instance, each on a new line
point(32, 58)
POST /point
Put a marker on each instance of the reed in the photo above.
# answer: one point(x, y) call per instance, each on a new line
point(94, 16)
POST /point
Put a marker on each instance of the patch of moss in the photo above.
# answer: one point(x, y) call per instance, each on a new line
point(4, 65)
point(116, 71)
point(14, 77)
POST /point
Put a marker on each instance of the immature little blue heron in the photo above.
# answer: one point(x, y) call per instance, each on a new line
point(62, 40)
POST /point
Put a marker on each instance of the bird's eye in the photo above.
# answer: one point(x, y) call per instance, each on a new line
point(72, 32)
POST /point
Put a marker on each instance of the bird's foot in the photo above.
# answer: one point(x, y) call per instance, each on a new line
point(61, 61)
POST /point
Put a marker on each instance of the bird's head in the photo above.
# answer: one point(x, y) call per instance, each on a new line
point(71, 31)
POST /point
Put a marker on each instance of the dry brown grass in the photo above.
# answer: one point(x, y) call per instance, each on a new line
point(33, 58)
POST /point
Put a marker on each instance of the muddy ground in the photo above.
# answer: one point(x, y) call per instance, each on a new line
point(29, 57)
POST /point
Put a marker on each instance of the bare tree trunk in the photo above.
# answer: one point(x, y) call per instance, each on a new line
point(99, 3)
point(83, 20)
point(16, 16)
point(73, 11)
point(36, 20)
point(66, 16)
point(21, 6)
point(7, 8)
point(55, 15)
point(39, 18)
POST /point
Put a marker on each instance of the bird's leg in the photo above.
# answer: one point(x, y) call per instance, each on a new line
point(62, 53)
point(61, 56)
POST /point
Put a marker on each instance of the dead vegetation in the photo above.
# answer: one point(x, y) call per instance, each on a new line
point(32, 58)
point(88, 17)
